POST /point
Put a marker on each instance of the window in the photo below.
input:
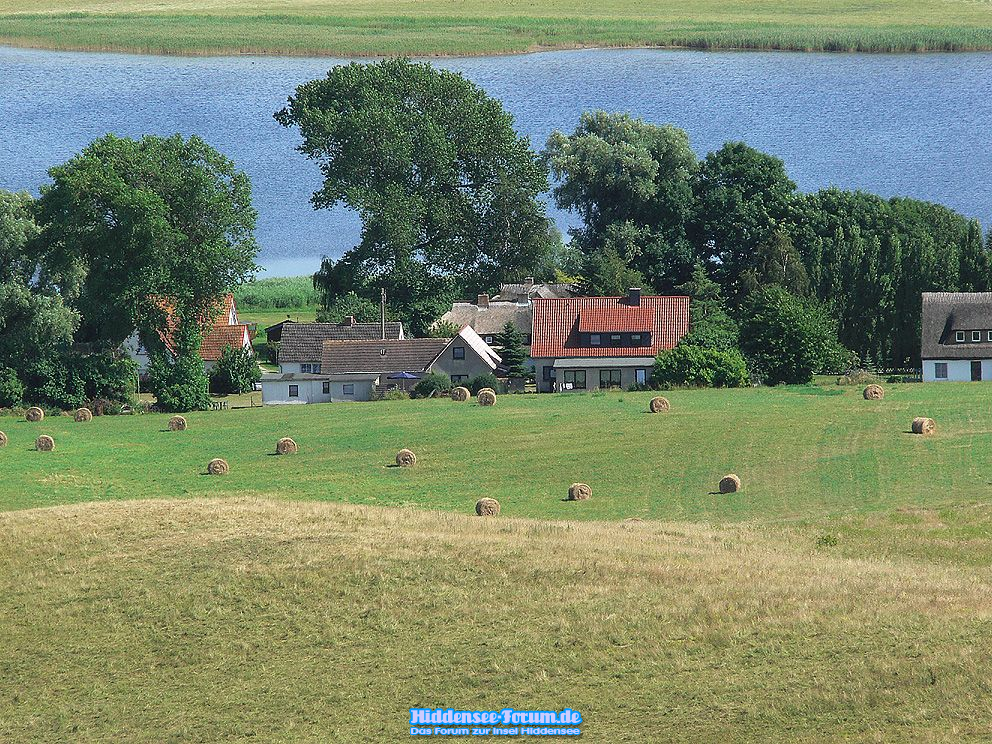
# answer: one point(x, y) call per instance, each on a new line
point(549, 374)
point(990, 335)
point(458, 352)
point(959, 336)
point(641, 376)
point(976, 335)
point(940, 370)
point(527, 339)
point(615, 339)
point(327, 388)
point(594, 339)
point(635, 339)
point(609, 378)
point(294, 391)
point(306, 368)
point(316, 369)
point(489, 339)
point(574, 377)
point(459, 378)
point(348, 388)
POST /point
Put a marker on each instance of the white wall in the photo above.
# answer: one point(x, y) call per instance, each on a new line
point(275, 392)
point(958, 370)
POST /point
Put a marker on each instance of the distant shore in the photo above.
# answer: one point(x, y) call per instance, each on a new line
point(435, 28)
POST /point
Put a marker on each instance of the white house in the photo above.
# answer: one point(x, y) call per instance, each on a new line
point(297, 387)
point(956, 343)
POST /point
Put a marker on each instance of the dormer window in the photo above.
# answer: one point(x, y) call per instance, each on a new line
point(635, 339)
point(959, 337)
point(976, 335)
point(594, 339)
point(990, 335)
point(615, 339)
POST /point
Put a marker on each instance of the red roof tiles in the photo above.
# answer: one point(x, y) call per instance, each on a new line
point(558, 323)
point(221, 336)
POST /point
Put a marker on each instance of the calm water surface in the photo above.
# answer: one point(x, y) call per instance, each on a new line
point(915, 125)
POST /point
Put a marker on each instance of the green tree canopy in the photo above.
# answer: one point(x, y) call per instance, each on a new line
point(512, 351)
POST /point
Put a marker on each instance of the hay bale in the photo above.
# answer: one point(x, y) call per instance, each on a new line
point(177, 423)
point(218, 466)
point(286, 446)
point(82, 415)
point(486, 397)
point(579, 492)
point(460, 394)
point(44, 443)
point(660, 405)
point(874, 392)
point(34, 414)
point(3, 439)
point(924, 426)
point(730, 484)
point(487, 507)
point(405, 458)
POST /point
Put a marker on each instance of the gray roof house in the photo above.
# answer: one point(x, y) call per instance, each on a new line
point(302, 345)
point(956, 342)
point(487, 317)
point(528, 290)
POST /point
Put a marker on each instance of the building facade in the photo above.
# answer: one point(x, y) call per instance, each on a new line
point(956, 342)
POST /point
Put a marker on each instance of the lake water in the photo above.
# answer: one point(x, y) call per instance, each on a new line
point(914, 125)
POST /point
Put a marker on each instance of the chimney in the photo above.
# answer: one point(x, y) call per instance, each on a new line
point(483, 300)
point(382, 313)
point(634, 296)
point(349, 320)
point(528, 281)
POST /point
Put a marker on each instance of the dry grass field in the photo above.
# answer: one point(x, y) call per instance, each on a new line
point(444, 27)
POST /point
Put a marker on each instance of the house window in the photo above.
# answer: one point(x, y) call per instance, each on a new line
point(458, 352)
point(594, 339)
point(489, 339)
point(635, 339)
point(294, 391)
point(609, 378)
point(348, 388)
point(527, 338)
point(306, 368)
point(976, 335)
point(990, 335)
point(459, 378)
point(548, 374)
point(327, 388)
point(316, 369)
point(959, 336)
point(615, 339)
point(641, 376)
point(940, 370)
point(575, 377)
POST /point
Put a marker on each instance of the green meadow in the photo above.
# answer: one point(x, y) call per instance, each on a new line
point(845, 594)
point(468, 27)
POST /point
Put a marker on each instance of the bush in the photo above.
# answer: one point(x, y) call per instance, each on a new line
point(11, 388)
point(432, 385)
point(488, 380)
point(688, 365)
point(235, 372)
point(178, 385)
point(396, 395)
point(73, 380)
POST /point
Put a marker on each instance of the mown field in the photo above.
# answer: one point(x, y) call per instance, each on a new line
point(844, 595)
point(441, 27)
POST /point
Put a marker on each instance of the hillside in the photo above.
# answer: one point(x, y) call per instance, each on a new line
point(433, 27)
point(221, 620)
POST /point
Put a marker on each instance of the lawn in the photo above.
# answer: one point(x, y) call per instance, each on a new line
point(845, 594)
point(442, 27)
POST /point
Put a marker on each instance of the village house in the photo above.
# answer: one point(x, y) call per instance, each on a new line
point(226, 331)
point(359, 370)
point(956, 343)
point(587, 343)
point(301, 345)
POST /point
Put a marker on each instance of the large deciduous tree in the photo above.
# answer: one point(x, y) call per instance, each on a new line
point(446, 190)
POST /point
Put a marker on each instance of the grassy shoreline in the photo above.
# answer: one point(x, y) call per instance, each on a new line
point(434, 29)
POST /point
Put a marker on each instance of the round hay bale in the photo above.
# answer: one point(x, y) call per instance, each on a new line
point(460, 394)
point(487, 507)
point(874, 392)
point(83, 415)
point(218, 466)
point(44, 443)
point(660, 405)
point(924, 426)
point(3, 439)
point(730, 484)
point(405, 458)
point(579, 492)
point(34, 414)
point(482, 390)
point(286, 446)
point(487, 397)
point(177, 423)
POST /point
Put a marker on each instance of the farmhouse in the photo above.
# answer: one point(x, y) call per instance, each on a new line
point(225, 331)
point(956, 343)
point(586, 343)
point(358, 370)
point(302, 344)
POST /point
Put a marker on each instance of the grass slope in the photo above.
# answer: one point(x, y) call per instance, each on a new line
point(440, 27)
point(228, 620)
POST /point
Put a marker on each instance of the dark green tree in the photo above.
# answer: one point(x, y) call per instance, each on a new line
point(512, 351)
point(235, 372)
point(688, 365)
point(711, 326)
point(349, 303)
point(446, 190)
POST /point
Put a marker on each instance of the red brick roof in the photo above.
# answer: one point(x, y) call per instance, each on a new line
point(220, 336)
point(557, 325)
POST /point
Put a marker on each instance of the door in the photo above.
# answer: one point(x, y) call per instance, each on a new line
point(976, 371)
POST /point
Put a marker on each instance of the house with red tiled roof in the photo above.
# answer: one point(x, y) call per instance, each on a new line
point(588, 343)
point(225, 331)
